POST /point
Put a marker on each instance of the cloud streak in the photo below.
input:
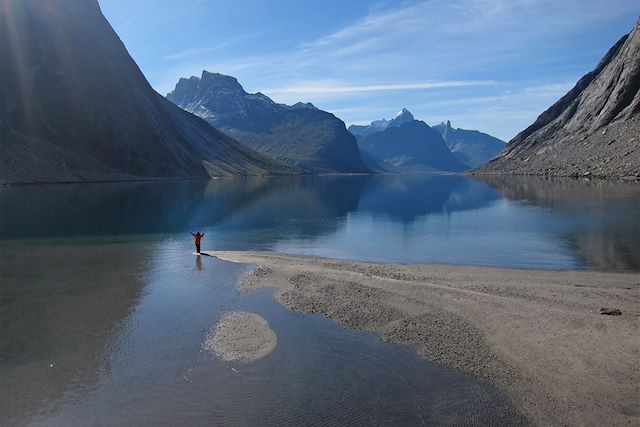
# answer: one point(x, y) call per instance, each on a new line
point(323, 90)
point(468, 59)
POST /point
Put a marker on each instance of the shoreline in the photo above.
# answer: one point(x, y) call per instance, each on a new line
point(536, 334)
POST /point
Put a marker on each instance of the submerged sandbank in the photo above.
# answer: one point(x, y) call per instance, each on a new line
point(538, 335)
point(241, 337)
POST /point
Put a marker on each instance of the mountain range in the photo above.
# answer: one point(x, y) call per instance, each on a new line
point(74, 106)
point(300, 135)
point(471, 147)
point(594, 130)
point(408, 144)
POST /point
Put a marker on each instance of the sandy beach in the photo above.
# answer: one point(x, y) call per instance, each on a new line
point(537, 335)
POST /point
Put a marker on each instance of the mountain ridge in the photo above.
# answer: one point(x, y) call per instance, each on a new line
point(593, 130)
point(74, 106)
point(471, 147)
point(300, 134)
point(408, 144)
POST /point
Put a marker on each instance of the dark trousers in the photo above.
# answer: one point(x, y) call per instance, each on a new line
point(197, 248)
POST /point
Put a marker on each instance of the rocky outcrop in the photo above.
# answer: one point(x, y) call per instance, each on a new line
point(300, 135)
point(409, 145)
point(74, 106)
point(594, 130)
point(471, 147)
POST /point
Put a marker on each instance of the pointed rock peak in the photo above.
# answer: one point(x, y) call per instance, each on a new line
point(404, 113)
point(404, 116)
point(448, 124)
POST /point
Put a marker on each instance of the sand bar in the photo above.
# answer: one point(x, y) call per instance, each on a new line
point(537, 335)
point(241, 337)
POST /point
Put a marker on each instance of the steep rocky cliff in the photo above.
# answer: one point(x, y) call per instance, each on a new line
point(74, 106)
point(594, 130)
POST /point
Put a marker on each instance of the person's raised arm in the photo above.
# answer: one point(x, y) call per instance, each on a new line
point(202, 235)
point(193, 234)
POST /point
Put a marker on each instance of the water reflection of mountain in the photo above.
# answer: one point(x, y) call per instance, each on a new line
point(305, 199)
point(307, 206)
point(611, 240)
point(407, 197)
point(117, 208)
point(62, 313)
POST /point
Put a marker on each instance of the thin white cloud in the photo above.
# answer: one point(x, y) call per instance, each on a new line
point(397, 56)
point(195, 52)
point(322, 90)
point(203, 51)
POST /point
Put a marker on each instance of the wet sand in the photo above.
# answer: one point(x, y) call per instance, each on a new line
point(537, 335)
point(241, 337)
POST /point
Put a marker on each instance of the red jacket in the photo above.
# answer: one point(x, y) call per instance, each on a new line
point(198, 237)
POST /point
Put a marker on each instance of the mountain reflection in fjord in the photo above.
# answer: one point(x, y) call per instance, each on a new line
point(509, 222)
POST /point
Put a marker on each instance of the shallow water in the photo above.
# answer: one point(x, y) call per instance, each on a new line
point(113, 335)
point(104, 309)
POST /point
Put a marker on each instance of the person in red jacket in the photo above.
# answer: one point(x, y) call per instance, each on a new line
point(198, 238)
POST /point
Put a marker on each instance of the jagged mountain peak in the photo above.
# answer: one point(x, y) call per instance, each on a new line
point(300, 134)
point(404, 116)
point(221, 81)
point(404, 112)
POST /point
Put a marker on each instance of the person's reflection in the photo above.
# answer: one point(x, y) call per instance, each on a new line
point(199, 263)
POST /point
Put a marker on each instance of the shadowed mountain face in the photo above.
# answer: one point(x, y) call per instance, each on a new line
point(74, 106)
point(408, 144)
point(299, 135)
point(471, 147)
point(593, 130)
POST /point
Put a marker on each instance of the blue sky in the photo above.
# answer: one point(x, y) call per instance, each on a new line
point(491, 65)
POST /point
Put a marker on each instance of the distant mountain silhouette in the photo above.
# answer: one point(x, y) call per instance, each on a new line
point(74, 106)
point(408, 144)
point(471, 147)
point(299, 135)
point(594, 130)
point(404, 116)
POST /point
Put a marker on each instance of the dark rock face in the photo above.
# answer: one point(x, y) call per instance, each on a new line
point(299, 135)
point(74, 106)
point(594, 130)
point(408, 144)
point(376, 164)
point(471, 147)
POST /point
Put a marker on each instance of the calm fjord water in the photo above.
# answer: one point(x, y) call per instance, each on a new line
point(103, 308)
point(505, 221)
